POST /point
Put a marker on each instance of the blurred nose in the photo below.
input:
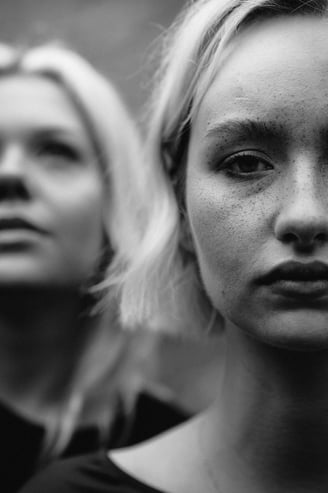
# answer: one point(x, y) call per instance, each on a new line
point(303, 217)
point(12, 174)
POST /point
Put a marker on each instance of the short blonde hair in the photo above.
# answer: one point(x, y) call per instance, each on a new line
point(165, 277)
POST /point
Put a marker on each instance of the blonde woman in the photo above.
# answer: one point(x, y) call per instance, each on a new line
point(238, 145)
point(69, 158)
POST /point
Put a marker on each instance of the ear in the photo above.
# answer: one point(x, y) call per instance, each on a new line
point(186, 240)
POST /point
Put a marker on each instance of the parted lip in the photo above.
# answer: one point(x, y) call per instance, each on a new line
point(296, 272)
point(12, 223)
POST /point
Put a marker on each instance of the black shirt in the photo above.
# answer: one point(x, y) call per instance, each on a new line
point(93, 473)
point(22, 440)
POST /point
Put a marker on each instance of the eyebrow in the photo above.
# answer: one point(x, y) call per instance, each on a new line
point(247, 129)
point(67, 134)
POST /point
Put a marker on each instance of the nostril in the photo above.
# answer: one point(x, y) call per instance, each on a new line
point(302, 223)
point(12, 188)
point(304, 237)
point(321, 237)
point(289, 238)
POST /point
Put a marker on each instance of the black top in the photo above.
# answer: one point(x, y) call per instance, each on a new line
point(93, 473)
point(21, 439)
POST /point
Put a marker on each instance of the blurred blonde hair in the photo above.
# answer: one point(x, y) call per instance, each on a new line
point(162, 283)
point(102, 371)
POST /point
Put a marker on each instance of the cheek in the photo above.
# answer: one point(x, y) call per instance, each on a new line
point(80, 222)
point(84, 224)
point(228, 233)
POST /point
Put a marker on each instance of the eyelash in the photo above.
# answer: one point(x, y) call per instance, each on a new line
point(243, 159)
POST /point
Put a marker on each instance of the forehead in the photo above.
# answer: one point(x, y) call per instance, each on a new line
point(29, 101)
point(270, 67)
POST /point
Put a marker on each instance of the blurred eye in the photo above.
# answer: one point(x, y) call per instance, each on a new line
point(57, 150)
point(245, 165)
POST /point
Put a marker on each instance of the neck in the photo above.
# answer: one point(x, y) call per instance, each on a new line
point(41, 336)
point(270, 420)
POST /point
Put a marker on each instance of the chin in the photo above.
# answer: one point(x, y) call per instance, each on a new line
point(301, 331)
point(34, 271)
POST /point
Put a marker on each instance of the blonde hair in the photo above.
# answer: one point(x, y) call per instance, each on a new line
point(163, 285)
point(106, 356)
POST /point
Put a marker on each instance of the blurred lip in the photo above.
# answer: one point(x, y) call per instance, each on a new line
point(298, 279)
point(15, 224)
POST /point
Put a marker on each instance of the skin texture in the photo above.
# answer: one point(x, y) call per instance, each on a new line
point(48, 176)
point(250, 214)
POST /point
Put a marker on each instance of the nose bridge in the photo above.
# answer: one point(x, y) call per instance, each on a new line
point(13, 184)
point(11, 159)
point(305, 193)
point(303, 210)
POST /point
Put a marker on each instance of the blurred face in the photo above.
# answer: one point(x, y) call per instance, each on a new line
point(257, 183)
point(51, 189)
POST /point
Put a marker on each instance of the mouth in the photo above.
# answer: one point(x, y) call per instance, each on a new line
point(298, 279)
point(16, 229)
point(12, 223)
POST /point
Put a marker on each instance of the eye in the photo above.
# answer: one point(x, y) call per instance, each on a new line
point(246, 164)
point(57, 150)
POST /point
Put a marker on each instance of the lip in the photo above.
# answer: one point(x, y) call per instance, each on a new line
point(293, 279)
point(15, 232)
point(9, 223)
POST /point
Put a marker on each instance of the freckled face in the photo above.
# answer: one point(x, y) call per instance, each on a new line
point(257, 181)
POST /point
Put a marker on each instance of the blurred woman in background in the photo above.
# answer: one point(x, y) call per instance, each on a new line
point(69, 158)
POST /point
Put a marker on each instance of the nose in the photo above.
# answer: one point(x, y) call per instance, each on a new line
point(303, 217)
point(13, 184)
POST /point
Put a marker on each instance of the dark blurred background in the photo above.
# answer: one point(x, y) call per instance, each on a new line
point(116, 35)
